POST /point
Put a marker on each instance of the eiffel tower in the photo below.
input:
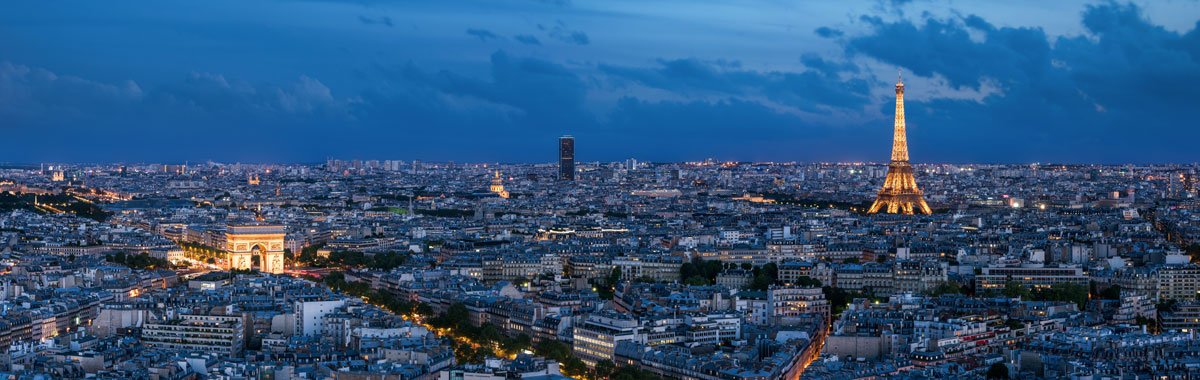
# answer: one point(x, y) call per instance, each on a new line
point(900, 194)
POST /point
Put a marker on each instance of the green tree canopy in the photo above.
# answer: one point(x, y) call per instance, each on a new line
point(997, 371)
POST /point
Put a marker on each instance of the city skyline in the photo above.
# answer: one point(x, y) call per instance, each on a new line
point(599, 190)
point(1069, 82)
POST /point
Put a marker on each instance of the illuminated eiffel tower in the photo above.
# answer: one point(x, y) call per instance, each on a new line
point(900, 194)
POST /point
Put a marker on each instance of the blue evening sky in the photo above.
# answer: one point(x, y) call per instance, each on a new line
point(673, 80)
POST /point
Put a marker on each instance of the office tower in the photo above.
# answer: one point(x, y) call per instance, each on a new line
point(566, 158)
point(900, 194)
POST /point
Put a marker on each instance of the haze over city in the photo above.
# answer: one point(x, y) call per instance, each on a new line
point(479, 81)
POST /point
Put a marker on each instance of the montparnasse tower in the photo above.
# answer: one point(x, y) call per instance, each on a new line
point(900, 194)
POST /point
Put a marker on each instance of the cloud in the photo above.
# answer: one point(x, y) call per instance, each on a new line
point(747, 129)
point(828, 32)
point(576, 37)
point(527, 39)
point(483, 34)
point(827, 67)
point(538, 92)
point(945, 47)
point(559, 31)
point(1069, 100)
point(123, 120)
point(818, 90)
point(381, 20)
point(679, 75)
point(215, 94)
point(31, 92)
point(1120, 91)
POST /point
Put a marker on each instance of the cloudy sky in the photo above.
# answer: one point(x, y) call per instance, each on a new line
point(492, 80)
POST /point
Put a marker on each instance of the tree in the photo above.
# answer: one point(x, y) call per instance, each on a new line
point(761, 282)
point(1014, 324)
point(1065, 292)
point(520, 281)
point(553, 349)
point(839, 298)
point(574, 366)
point(614, 276)
point(1165, 306)
point(1150, 323)
point(708, 269)
point(771, 270)
point(423, 309)
point(808, 281)
point(711, 269)
point(457, 313)
point(946, 287)
point(139, 261)
point(1013, 289)
point(521, 342)
point(604, 369)
point(764, 276)
point(607, 286)
point(998, 371)
point(388, 260)
point(695, 281)
point(1111, 293)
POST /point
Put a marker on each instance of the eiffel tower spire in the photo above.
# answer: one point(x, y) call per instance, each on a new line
point(899, 135)
point(900, 194)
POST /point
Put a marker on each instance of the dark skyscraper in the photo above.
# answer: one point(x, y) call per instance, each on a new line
point(566, 158)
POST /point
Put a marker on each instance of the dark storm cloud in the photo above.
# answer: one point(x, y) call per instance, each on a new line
point(1127, 80)
point(483, 34)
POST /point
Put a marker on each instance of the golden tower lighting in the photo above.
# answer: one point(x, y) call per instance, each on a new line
point(900, 194)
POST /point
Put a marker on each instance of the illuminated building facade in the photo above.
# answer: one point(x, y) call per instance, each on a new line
point(597, 337)
point(566, 158)
point(788, 303)
point(1033, 277)
point(220, 334)
point(497, 186)
point(900, 194)
point(264, 241)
